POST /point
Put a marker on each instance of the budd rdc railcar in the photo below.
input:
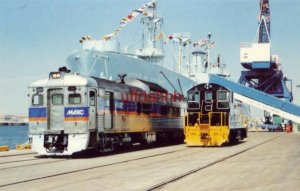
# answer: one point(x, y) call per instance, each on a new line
point(214, 117)
point(69, 113)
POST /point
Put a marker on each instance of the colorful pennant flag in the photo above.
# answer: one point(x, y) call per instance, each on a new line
point(130, 17)
point(179, 38)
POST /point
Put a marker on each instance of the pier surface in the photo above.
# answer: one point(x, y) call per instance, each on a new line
point(266, 161)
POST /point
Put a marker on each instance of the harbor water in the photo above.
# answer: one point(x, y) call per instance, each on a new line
point(13, 135)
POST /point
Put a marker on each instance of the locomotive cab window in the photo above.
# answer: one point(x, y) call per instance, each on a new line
point(74, 98)
point(193, 100)
point(223, 98)
point(194, 96)
point(57, 99)
point(37, 99)
point(208, 97)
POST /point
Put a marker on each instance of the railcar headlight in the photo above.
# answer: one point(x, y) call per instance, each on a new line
point(55, 75)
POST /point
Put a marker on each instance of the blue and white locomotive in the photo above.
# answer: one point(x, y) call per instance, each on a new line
point(69, 113)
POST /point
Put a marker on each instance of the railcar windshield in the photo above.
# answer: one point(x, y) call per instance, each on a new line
point(57, 99)
point(74, 99)
point(37, 100)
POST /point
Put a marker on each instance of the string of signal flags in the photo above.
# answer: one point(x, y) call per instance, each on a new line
point(177, 38)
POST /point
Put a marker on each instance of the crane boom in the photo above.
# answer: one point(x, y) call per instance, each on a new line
point(264, 22)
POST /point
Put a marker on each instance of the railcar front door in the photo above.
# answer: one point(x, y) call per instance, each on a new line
point(92, 109)
point(56, 109)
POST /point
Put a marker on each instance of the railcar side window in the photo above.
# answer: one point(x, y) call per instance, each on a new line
point(37, 100)
point(74, 98)
point(131, 107)
point(57, 99)
point(139, 108)
point(164, 110)
point(92, 98)
point(146, 108)
point(176, 112)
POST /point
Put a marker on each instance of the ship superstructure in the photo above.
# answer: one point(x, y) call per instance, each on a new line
point(104, 58)
point(202, 63)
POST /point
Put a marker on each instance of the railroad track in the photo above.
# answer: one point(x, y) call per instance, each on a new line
point(165, 156)
point(17, 158)
point(160, 185)
point(84, 169)
point(27, 160)
point(16, 154)
point(34, 157)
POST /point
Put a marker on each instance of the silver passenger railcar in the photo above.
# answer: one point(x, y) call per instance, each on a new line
point(69, 113)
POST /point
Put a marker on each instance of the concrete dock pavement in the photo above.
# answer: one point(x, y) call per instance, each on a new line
point(271, 166)
point(266, 161)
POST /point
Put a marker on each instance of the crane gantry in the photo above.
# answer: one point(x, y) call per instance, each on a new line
point(263, 69)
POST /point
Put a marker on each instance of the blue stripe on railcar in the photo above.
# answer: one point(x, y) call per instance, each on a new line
point(38, 112)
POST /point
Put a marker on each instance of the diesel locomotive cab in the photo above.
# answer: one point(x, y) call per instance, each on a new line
point(59, 113)
point(213, 117)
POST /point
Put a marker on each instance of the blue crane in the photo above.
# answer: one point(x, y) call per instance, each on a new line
point(263, 69)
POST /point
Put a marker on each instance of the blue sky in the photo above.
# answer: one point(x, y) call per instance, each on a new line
point(36, 36)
